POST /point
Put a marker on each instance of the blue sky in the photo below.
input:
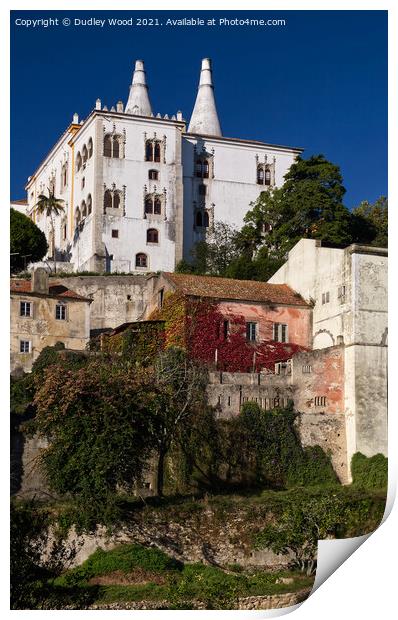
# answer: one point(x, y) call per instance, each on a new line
point(319, 82)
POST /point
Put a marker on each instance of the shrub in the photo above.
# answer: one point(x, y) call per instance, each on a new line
point(124, 558)
point(369, 473)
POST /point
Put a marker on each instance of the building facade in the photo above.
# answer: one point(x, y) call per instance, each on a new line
point(42, 315)
point(139, 190)
point(271, 312)
point(348, 288)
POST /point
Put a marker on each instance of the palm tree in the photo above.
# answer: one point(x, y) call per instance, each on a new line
point(51, 206)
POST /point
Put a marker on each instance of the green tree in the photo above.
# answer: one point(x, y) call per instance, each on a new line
point(303, 522)
point(100, 423)
point(212, 255)
point(309, 204)
point(374, 218)
point(26, 240)
point(51, 206)
point(181, 385)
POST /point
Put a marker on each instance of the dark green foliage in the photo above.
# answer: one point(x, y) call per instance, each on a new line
point(21, 394)
point(47, 357)
point(124, 558)
point(25, 238)
point(278, 458)
point(372, 221)
point(101, 425)
point(306, 516)
point(26, 539)
point(369, 473)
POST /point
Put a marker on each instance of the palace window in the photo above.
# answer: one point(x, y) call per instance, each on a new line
point(153, 150)
point(202, 190)
point(83, 182)
point(115, 234)
point(25, 308)
point(84, 208)
point(64, 176)
point(78, 162)
point(264, 174)
point(64, 232)
point(153, 204)
point(307, 369)
point(202, 168)
point(113, 146)
point(84, 154)
point(280, 332)
point(202, 219)
point(141, 260)
point(320, 401)
point(112, 199)
point(24, 346)
point(325, 298)
point(152, 235)
point(89, 204)
point(90, 148)
point(251, 331)
point(153, 175)
point(60, 312)
point(78, 216)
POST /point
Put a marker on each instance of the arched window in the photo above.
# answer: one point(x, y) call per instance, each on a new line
point(84, 154)
point(108, 199)
point(206, 219)
point(157, 152)
point(78, 216)
point(141, 260)
point(157, 206)
point(148, 204)
point(149, 150)
point(90, 148)
point(89, 204)
point(202, 168)
point(152, 235)
point(260, 176)
point(78, 162)
point(267, 180)
point(116, 200)
point(199, 218)
point(108, 146)
point(153, 175)
point(84, 208)
point(116, 147)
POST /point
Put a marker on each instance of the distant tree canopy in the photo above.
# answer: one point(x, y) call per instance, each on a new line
point(374, 218)
point(26, 239)
point(308, 205)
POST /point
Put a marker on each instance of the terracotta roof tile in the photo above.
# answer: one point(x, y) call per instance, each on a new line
point(55, 290)
point(226, 288)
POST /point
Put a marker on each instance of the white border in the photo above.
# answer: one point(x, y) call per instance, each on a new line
point(365, 585)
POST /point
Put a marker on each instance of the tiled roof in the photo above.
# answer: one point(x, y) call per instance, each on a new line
point(22, 201)
point(55, 290)
point(225, 288)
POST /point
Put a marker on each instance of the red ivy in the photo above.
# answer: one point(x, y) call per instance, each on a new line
point(205, 336)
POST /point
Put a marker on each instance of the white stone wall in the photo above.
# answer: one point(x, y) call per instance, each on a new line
point(359, 319)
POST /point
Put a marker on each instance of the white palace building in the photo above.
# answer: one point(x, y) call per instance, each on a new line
point(139, 190)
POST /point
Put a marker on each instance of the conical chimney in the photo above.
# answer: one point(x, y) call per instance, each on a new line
point(204, 119)
point(138, 102)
